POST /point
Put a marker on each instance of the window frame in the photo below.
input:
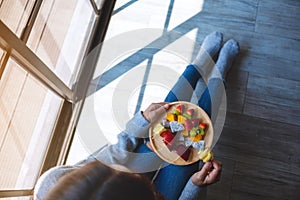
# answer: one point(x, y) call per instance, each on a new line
point(73, 99)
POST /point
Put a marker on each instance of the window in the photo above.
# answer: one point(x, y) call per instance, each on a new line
point(42, 48)
point(15, 14)
point(28, 112)
point(59, 35)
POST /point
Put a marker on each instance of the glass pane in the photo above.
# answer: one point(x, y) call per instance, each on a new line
point(28, 112)
point(15, 13)
point(59, 35)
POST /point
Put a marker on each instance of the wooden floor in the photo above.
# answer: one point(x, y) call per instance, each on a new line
point(260, 143)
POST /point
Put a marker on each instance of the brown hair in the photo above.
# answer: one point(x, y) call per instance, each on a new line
point(96, 181)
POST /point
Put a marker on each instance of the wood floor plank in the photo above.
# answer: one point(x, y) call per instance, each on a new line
point(242, 10)
point(280, 18)
point(205, 20)
point(222, 189)
point(273, 98)
point(260, 64)
point(245, 195)
point(250, 147)
point(267, 143)
point(274, 47)
point(264, 45)
point(236, 89)
point(270, 129)
point(220, 15)
point(265, 183)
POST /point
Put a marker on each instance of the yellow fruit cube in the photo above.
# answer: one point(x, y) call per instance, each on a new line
point(206, 155)
point(209, 157)
point(181, 119)
point(185, 133)
point(171, 117)
point(159, 129)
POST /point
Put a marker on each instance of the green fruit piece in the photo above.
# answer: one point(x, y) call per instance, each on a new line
point(187, 116)
point(202, 132)
point(176, 112)
point(193, 132)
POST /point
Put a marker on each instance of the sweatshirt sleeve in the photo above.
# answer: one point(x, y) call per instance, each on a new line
point(138, 126)
point(128, 141)
point(193, 192)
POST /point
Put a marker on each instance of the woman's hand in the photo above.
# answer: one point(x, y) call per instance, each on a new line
point(209, 174)
point(155, 110)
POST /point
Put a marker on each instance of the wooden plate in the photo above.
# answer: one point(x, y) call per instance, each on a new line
point(172, 157)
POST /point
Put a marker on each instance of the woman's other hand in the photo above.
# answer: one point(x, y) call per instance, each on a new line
point(209, 174)
point(155, 110)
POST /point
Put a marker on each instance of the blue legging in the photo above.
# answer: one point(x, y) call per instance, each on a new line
point(185, 86)
point(171, 179)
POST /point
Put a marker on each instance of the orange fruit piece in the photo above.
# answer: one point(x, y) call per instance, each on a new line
point(197, 138)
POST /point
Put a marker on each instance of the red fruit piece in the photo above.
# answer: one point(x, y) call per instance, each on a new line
point(188, 125)
point(183, 151)
point(195, 122)
point(179, 109)
point(203, 126)
point(168, 137)
point(190, 112)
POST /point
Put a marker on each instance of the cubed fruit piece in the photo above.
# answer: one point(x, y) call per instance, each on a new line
point(159, 129)
point(188, 125)
point(176, 112)
point(176, 127)
point(203, 125)
point(188, 142)
point(181, 119)
point(165, 123)
point(190, 112)
point(204, 153)
point(171, 117)
point(179, 138)
point(183, 151)
point(179, 109)
point(196, 138)
point(168, 137)
point(209, 157)
point(195, 122)
point(187, 116)
point(199, 145)
point(185, 133)
point(201, 132)
point(193, 132)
